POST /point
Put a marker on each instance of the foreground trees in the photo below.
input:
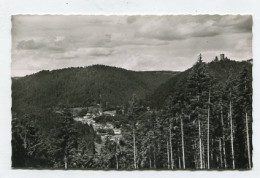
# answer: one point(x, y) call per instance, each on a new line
point(200, 127)
point(58, 146)
point(205, 125)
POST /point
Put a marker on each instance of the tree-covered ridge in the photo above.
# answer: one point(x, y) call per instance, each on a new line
point(203, 120)
point(74, 87)
point(219, 70)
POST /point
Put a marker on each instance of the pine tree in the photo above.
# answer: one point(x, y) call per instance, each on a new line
point(198, 87)
point(245, 104)
point(65, 140)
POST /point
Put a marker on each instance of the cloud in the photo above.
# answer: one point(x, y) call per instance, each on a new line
point(185, 27)
point(133, 42)
point(131, 19)
point(93, 52)
point(43, 44)
point(29, 45)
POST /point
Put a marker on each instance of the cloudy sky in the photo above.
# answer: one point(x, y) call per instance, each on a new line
point(131, 42)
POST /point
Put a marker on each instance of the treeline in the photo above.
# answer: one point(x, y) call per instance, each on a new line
point(83, 86)
point(203, 124)
point(51, 140)
point(220, 70)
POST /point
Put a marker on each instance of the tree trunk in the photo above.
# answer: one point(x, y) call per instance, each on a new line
point(195, 160)
point(179, 158)
point(208, 133)
point(182, 144)
point(203, 156)
point(211, 152)
point(231, 134)
point(223, 138)
point(65, 162)
point(195, 155)
point(168, 155)
point(154, 158)
point(134, 148)
point(220, 153)
point(150, 161)
point(248, 143)
point(116, 161)
point(170, 132)
point(24, 139)
point(200, 145)
point(137, 158)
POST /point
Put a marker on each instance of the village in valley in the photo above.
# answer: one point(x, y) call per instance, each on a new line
point(132, 92)
point(106, 120)
point(106, 130)
point(110, 134)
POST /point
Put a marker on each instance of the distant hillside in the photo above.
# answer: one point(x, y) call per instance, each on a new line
point(73, 87)
point(220, 71)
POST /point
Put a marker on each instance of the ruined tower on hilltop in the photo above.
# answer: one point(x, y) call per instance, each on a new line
point(222, 56)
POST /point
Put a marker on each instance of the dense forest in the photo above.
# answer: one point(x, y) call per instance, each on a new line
point(75, 87)
point(200, 118)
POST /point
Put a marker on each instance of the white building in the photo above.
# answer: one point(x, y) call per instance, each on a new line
point(117, 131)
point(110, 113)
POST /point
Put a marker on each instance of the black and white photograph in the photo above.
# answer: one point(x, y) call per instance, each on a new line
point(131, 92)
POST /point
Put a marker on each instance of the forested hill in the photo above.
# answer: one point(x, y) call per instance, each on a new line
point(200, 118)
point(73, 87)
point(220, 71)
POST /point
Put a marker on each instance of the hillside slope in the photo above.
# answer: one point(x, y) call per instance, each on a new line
point(75, 87)
point(220, 71)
